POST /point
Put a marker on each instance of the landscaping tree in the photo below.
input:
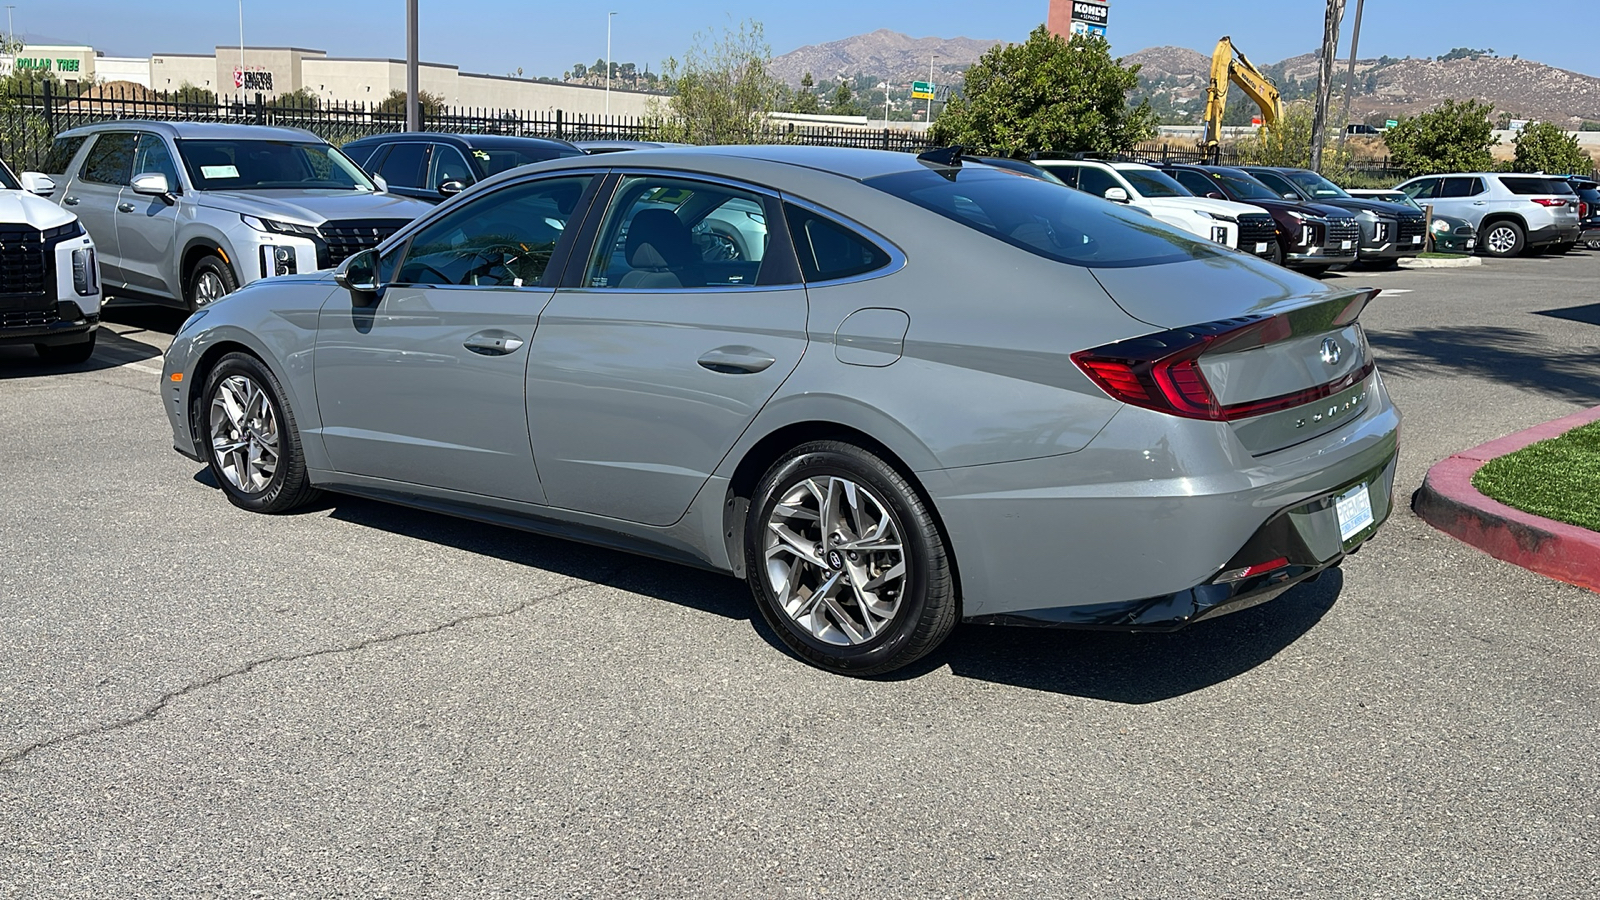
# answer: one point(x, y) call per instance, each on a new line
point(1543, 147)
point(1455, 137)
point(302, 98)
point(1288, 143)
point(805, 99)
point(1047, 94)
point(722, 90)
point(199, 96)
point(844, 102)
point(395, 104)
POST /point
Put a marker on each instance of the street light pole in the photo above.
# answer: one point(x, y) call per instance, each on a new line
point(931, 91)
point(413, 96)
point(1350, 77)
point(241, 43)
point(609, 17)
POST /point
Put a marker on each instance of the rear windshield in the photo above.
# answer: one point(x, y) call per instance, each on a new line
point(1154, 184)
point(1045, 219)
point(267, 165)
point(498, 159)
point(1536, 186)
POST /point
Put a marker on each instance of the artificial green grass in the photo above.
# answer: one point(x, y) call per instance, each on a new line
point(1558, 479)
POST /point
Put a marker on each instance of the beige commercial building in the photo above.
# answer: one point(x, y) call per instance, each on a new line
point(271, 71)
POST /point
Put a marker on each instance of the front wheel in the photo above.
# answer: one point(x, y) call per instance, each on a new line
point(1503, 239)
point(251, 441)
point(1276, 256)
point(846, 563)
point(209, 281)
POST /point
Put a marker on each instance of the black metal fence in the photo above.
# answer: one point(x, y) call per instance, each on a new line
point(30, 118)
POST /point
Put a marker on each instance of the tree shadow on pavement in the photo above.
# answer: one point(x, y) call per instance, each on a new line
point(1505, 355)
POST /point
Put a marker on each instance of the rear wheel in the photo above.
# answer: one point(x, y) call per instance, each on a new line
point(1503, 239)
point(68, 354)
point(846, 563)
point(210, 279)
point(251, 441)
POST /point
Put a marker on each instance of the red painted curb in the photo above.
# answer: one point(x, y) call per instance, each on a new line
point(1449, 502)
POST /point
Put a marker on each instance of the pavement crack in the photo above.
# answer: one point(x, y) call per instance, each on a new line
point(151, 712)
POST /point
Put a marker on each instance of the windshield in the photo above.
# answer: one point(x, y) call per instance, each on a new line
point(496, 160)
point(1154, 184)
point(1315, 184)
point(1045, 219)
point(270, 165)
point(8, 181)
point(1242, 185)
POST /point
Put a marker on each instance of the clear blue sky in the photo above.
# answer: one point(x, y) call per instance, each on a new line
point(497, 36)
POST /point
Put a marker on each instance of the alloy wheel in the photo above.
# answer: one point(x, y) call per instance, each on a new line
point(208, 287)
point(1501, 240)
point(835, 560)
point(244, 434)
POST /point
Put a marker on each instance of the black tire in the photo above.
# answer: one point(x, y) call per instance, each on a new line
point(1504, 238)
point(926, 604)
point(68, 354)
point(203, 267)
point(289, 486)
point(1277, 255)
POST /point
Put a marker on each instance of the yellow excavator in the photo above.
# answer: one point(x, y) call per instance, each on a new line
point(1229, 65)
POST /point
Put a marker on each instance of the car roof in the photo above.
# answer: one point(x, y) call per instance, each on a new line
point(847, 162)
point(202, 130)
point(480, 141)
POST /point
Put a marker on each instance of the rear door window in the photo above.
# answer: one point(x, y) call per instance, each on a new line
point(1461, 187)
point(406, 165)
point(110, 159)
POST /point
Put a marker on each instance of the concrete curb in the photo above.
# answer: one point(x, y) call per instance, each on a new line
point(1413, 262)
point(1448, 501)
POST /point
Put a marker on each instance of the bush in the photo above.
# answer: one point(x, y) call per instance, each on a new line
point(1455, 137)
point(722, 91)
point(1543, 147)
point(1047, 94)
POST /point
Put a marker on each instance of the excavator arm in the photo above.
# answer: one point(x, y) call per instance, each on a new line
point(1229, 66)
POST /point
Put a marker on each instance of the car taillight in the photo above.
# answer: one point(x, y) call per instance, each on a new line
point(1583, 210)
point(1162, 371)
point(1549, 201)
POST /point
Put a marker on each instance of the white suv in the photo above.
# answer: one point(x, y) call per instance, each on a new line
point(1513, 213)
point(49, 277)
point(1238, 225)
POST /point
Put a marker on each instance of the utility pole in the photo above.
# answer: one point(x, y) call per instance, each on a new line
point(609, 16)
point(413, 93)
point(1330, 47)
point(1350, 77)
point(931, 91)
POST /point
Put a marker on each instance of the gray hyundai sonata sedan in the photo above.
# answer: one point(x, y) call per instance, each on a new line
point(891, 392)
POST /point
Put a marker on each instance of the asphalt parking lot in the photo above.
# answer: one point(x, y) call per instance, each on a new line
point(373, 702)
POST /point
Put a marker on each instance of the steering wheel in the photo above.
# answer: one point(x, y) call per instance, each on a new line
point(507, 256)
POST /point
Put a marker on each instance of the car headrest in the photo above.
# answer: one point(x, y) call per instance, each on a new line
point(658, 239)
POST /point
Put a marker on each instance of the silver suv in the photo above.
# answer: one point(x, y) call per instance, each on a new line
point(185, 212)
point(1512, 213)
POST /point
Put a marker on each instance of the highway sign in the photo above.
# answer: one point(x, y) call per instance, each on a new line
point(1390, 123)
point(922, 90)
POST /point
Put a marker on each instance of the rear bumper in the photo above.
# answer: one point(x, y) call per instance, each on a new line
point(1148, 514)
point(1590, 235)
point(1554, 234)
point(1306, 535)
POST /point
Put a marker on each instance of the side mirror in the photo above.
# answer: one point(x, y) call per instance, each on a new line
point(359, 276)
point(1215, 195)
point(452, 188)
point(1116, 195)
point(383, 186)
point(38, 183)
point(1291, 197)
point(153, 184)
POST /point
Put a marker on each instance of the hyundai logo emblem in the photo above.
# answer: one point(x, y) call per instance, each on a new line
point(1331, 351)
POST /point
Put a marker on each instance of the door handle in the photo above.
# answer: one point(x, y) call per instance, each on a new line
point(70, 201)
point(1480, 203)
point(736, 360)
point(124, 207)
point(493, 343)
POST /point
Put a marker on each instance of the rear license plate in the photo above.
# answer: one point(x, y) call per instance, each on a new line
point(1416, 239)
point(1344, 245)
point(1261, 247)
point(1354, 508)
